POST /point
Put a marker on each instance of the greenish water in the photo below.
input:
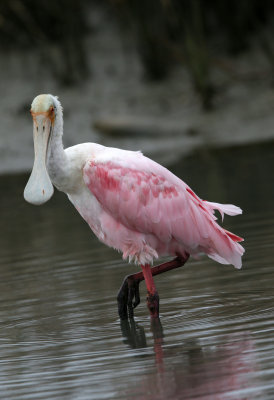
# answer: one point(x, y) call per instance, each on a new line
point(60, 336)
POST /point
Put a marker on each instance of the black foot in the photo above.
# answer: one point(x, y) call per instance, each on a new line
point(128, 297)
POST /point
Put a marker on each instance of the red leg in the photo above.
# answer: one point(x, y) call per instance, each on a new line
point(152, 294)
point(129, 290)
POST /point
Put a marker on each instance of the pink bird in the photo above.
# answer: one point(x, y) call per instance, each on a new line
point(130, 202)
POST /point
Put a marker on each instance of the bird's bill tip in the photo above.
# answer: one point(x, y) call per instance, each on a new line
point(39, 188)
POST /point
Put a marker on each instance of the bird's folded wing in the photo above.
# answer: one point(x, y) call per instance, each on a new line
point(150, 201)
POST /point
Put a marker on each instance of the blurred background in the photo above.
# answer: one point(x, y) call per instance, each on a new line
point(190, 83)
point(191, 73)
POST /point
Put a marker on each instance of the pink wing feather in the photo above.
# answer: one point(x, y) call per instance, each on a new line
point(146, 197)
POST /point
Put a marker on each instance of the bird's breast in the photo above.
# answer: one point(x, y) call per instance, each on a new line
point(89, 208)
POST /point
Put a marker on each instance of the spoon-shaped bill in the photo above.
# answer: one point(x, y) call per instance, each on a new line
point(39, 188)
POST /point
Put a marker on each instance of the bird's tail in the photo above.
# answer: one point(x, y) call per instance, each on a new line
point(225, 248)
point(228, 209)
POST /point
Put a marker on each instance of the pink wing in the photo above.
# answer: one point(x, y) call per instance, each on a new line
point(152, 200)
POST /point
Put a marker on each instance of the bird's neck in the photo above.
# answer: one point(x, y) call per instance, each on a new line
point(57, 163)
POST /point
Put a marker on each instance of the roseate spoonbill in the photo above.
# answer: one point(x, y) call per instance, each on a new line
point(130, 202)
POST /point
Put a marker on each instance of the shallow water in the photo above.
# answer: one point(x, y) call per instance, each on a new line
point(60, 336)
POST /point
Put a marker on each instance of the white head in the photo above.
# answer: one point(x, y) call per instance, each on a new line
point(45, 110)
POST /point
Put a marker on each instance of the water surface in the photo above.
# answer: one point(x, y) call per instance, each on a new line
point(60, 336)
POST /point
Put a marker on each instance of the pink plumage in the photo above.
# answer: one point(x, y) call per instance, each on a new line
point(147, 212)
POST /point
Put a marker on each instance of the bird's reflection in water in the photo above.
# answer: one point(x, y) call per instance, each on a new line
point(133, 334)
point(158, 338)
point(191, 370)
